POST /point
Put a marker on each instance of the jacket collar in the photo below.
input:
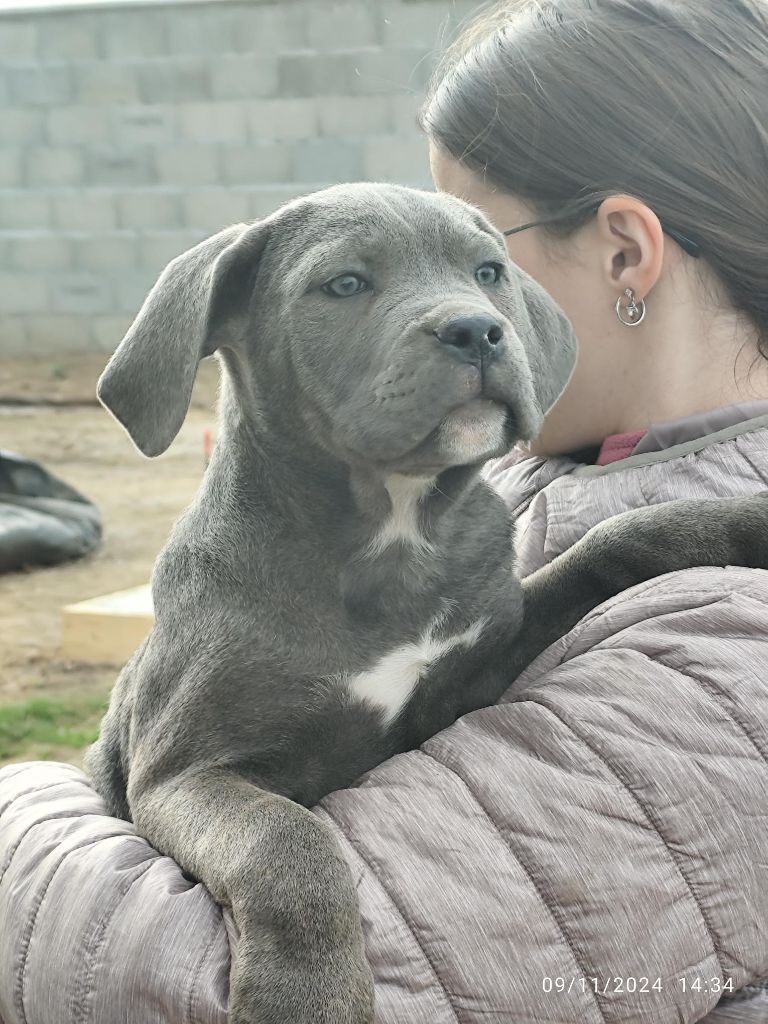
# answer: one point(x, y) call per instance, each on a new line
point(556, 501)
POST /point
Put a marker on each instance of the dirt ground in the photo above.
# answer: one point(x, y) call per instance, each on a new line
point(48, 412)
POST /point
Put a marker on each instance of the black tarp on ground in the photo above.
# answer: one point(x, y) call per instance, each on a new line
point(43, 521)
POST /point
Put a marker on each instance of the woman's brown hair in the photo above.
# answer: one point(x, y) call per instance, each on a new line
point(564, 102)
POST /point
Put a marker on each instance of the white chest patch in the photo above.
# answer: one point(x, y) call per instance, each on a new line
point(403, 522)
point(393, 678)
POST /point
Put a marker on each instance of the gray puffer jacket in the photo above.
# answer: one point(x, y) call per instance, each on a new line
point(592, 849)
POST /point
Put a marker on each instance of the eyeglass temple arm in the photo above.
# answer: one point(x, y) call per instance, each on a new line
point(685, 243)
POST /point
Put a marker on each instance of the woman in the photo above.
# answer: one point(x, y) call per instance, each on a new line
point(638, 133)
point(622, 147)
point(594, 848)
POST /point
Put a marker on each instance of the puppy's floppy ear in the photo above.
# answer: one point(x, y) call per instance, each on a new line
point(547, 336)
point(147, 384)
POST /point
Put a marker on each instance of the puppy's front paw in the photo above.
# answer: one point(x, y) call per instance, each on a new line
point(272, 986)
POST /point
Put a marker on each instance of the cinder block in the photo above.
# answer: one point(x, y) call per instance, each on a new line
point(462, 10)
point(383, 72)
point(149, 209)
point(40, 86)
point(106, 82)
point(18, 39)
point(213, 209)
point(63, 333)
point(21, 125)
point(426, 24)
point(270, 28)
point(351, 25)
point(248, 165)
point(108, 331)
point(54, 166)
point(134, 32)
point(187, 165)
point(69, 36)
point(174, 80)
point(197, 29)
point(113, 166)
point(131, 289)
point(21, 209)
point(307, 73)
point(40, 251)
point(84, 210)
point(147, 125)
point(245, 77)
point(283, 119)
point(13, 337)
point(354, 115)
point(158, 248)
point(462, 13)
point(104, 253)
point(23, 293)
point(265, 201)
point(213, 122)
point(327, 160)
point(11, 168)
point(81, 293)
point(403, 161)
point(73, 126)
point(405, 112)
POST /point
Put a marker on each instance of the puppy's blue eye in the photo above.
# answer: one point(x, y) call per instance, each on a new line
point(346, 285)
point(489, 273)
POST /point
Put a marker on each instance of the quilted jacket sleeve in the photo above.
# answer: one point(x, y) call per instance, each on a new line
point(592, 849)
point(96, 927)
point(606, 825)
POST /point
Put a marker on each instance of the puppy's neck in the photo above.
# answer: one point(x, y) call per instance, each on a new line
point(405, 509)
point(305, 485)
point(380, 544)
point(276, 453)
point(405, 520)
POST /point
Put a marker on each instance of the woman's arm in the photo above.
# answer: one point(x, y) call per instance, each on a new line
point(593, 849)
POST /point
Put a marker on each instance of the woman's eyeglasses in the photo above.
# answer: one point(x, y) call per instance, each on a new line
point(685, 243)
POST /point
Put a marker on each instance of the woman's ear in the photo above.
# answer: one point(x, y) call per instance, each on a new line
point(632, 245)
point(147, 384)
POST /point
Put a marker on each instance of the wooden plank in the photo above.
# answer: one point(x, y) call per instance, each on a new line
point(107, 630)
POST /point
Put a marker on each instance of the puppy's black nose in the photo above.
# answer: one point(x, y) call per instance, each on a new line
point(473, 337)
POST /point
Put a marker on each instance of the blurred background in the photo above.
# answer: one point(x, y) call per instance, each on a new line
point(129, 131)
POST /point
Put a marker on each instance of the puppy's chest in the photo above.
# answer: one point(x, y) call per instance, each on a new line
point(393, 677)
point(458, 588)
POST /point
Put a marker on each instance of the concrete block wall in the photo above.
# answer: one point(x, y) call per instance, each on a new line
point(129, 132)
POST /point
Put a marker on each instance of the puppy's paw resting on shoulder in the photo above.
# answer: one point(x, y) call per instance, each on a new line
point(643, 543)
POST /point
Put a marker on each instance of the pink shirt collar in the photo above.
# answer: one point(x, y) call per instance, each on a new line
point(664, 435)
point(619, 446)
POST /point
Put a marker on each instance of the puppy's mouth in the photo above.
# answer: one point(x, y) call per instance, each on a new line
point(475, 431)
point(478, 424)
point(470, 433)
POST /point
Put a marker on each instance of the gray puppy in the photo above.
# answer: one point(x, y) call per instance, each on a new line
point(342, 587)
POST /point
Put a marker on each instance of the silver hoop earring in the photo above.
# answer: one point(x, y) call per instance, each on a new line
point(635, 312)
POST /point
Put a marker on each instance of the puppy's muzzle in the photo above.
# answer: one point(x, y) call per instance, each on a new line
point(471, 339)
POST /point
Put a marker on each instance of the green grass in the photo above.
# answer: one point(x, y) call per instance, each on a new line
point(50, 729)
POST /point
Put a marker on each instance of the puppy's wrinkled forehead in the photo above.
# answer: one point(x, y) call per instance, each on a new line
point(378, 229)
